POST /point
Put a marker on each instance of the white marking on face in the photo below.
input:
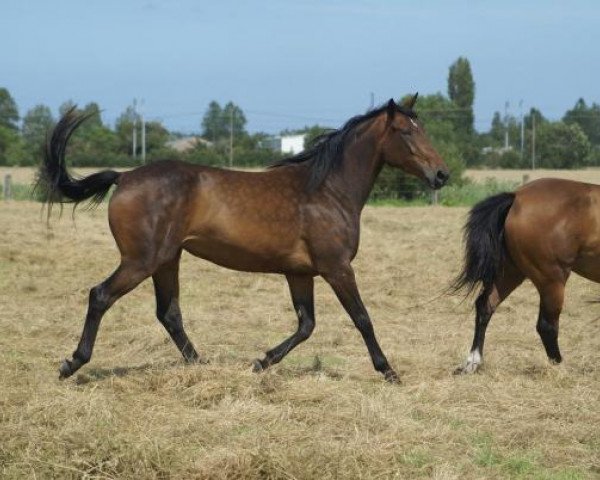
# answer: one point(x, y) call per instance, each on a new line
point(414, 123)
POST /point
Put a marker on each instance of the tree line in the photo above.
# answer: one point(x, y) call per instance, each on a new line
point(511, 142)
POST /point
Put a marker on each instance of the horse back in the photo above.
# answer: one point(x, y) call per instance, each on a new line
point(554, 225)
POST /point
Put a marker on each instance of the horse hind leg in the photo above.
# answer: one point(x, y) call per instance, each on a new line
point(166, 288)
point(551, 303)
point(486, 304)
point(125, 278)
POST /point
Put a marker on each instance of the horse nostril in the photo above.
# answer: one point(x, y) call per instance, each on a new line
point(442, 176)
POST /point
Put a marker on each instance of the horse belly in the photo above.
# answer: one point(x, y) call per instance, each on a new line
point(588, 264)
point(252, 255)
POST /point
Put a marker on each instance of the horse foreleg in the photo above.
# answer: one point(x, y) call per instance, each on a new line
point(301, 290)
point(485, 306)
point(343, 283)
point(125, 278)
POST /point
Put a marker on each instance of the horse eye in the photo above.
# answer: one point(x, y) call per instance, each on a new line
point(405, 131)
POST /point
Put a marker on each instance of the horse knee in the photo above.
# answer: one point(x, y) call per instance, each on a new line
point(170, 317)
point(307, 324)
point(99, 300)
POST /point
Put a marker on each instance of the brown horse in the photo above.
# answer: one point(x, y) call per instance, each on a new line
point(300, 219)
point(544, 231)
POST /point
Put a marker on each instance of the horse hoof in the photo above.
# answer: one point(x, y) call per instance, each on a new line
point(65, 370)
point(196, 360)
point(257, 366)
point(392, 377)
point(466, 369)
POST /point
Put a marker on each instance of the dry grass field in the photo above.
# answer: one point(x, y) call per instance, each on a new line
point(137, 412)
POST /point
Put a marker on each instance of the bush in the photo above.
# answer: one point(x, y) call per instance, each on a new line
point(470, 193)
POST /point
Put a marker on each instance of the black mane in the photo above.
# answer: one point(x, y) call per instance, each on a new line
point(326, 154)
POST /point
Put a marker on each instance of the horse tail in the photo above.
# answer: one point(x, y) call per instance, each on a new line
point(484, 243)
point(54, 181)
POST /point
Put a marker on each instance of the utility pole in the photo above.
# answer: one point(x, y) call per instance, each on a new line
point(372, 101)
point(231, 137)
point(506, 125)
point(522, 130)
point(533, 140)
point(134, 146)
point(143, 133)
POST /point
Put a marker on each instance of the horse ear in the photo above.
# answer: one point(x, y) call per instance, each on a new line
point(391, 109)
point(409, 102)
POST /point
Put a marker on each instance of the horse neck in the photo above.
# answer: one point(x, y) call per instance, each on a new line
point(360, 167)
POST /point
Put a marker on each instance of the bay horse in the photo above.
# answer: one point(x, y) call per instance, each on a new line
point(544, 231)
point(300, 218)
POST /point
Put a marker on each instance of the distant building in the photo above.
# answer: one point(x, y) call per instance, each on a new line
point(291, 144)
point(185, 144)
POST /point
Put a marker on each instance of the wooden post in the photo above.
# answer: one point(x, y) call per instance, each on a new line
point(435, 197)
point(7, 187)
point(525, 179)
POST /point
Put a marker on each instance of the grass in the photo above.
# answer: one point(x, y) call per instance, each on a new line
point(137, 412)
point(470, 193)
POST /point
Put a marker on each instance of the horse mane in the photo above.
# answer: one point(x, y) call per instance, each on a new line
point(326, 154)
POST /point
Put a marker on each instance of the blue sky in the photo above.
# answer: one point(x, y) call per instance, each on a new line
point(288, 64)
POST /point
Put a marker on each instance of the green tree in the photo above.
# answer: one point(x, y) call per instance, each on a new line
point(588, 118)
point(124, 130)
point(461, 90)
point(212, 122)
point(233, 117)
point(561, 145)
point(528, 119)
point(65, 107)
point(94, 119)
point(9, 114)
point(10, 144)
point(218, 122)
point(37, 122)
point(10, 141)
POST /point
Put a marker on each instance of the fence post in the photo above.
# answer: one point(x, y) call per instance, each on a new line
point(435, 197)
point(7, 187)
point(525, 179)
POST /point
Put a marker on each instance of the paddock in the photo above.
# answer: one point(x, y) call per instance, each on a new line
point(137, 411)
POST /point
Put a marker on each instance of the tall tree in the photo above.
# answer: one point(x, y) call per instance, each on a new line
point(562, 145)
point(65, 107)
point(212, 122)
point(9, 114)
point(461, 90)
point(93, 110)
point(217, 122)
point(234, 118)
point(588, 118)
point(124, 128)
point(37, 122)
point(539, 119)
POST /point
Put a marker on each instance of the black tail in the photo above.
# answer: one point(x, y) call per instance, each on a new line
point(484, 243)
point(54, 181)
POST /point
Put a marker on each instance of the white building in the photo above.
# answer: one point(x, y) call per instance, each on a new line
point(290, 144)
